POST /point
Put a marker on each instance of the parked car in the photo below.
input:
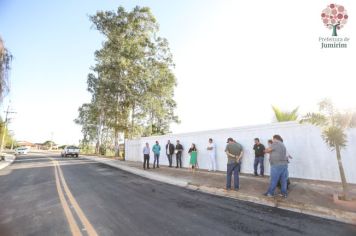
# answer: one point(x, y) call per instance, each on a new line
point(70, 151)
point(21, 150)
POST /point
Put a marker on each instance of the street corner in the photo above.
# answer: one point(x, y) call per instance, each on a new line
point(6, 159)
point(10, 157)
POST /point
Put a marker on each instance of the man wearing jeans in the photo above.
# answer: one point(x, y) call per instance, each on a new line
point(279, 166)
point(259, 149)
point(156, 149)
point(234, 153)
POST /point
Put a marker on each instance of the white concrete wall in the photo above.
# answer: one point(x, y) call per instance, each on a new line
point(312, 159)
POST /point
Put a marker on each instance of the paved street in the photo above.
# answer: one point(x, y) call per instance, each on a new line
point(48, 195)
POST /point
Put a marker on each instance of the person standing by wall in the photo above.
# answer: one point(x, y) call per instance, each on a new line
point(240, 161)
point(259, 149)
point(212, 150)
point(270, 141)
point(169, 152)
point(279, 166)
point(268, 155)
point(179, 150)
point(234, 153)
point(193, 157)
point(279, 185)
point(146, 156)
point(156, 149)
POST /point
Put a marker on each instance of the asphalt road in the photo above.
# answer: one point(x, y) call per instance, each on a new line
point(49, 195)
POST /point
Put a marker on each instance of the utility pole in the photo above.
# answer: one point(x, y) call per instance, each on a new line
point(4, 129)
point(51, 141)
point(11, 133)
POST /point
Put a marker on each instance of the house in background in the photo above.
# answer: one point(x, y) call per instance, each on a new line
point(25, 144)
point(39, 146)
point(48, 145)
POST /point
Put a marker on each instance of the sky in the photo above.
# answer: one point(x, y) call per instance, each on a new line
point(234, 59)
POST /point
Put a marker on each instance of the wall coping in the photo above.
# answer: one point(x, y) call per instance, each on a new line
point(287, 124)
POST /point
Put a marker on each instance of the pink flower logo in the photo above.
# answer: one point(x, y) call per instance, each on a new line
point(334, 17)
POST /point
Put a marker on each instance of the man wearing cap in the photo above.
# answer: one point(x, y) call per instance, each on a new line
point(234, 153)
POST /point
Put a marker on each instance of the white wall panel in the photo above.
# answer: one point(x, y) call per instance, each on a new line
point(312, 159)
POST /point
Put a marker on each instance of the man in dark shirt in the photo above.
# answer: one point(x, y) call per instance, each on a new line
point(169, 152)
point(259, 156)
point(179, 149)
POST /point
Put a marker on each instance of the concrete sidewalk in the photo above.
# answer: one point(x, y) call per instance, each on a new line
point(8, 159)
point(305, 196)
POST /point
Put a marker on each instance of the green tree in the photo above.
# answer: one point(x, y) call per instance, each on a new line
point(132, 83)
point(333, 124)
point(5, 60)
point(88, 119)
point(158, 103)
point(48, 144)
point(8, 138)
point(282, 116)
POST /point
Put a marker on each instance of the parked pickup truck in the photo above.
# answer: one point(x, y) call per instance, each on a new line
point(70, 151)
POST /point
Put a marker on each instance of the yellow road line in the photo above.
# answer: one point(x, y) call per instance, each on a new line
point(88, 226)
point(71, 221)
point(84, 220)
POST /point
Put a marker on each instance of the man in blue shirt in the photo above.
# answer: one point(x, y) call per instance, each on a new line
point(156, 149)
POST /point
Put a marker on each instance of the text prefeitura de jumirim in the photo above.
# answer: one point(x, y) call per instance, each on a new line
point(333, 39)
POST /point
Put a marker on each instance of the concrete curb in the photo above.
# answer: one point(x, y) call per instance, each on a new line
point(323, 212)
point(9, 159)
point(142, 173)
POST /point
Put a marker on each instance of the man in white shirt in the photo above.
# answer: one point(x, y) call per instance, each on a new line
point(146, 156)
point(212, 150)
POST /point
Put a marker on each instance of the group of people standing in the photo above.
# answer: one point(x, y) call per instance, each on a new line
point(177, 150)
point(278, 158)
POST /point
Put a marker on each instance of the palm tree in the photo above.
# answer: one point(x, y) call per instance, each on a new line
point(282, 116)
point(333, 124)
